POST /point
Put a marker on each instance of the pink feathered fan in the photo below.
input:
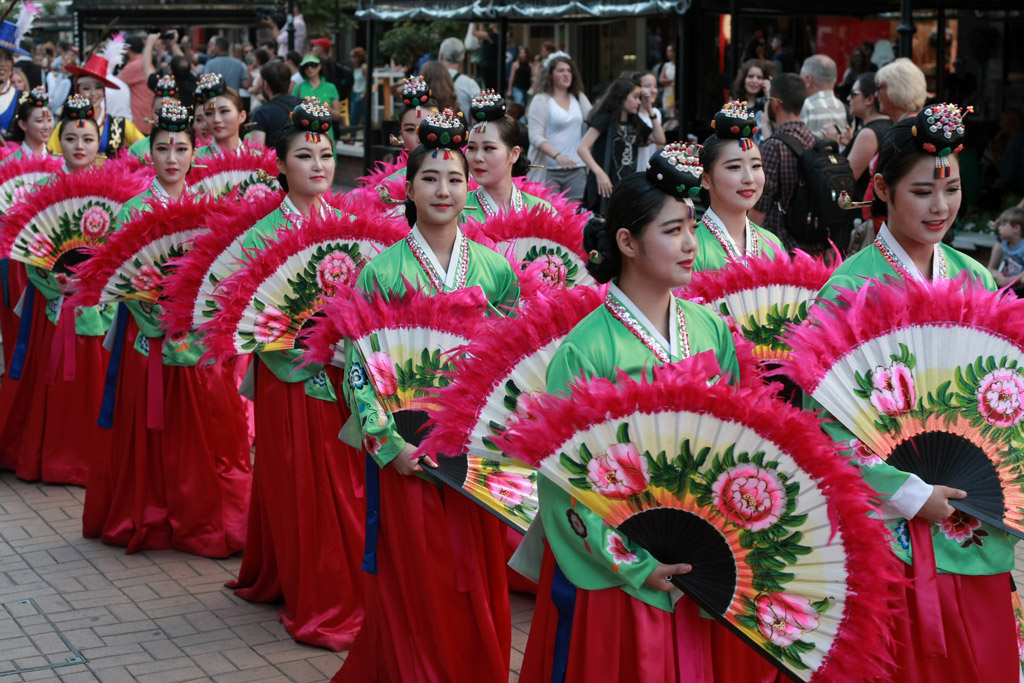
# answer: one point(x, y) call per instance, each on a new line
point(248, 174)
point(746, 490)
point(930, 378)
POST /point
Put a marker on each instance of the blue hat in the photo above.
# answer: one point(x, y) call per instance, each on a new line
point(12, 33)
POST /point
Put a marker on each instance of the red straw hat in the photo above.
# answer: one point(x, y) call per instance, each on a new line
point(95, 67)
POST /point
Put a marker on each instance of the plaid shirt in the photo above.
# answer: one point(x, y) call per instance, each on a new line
point(781, 176)
point(822, 111)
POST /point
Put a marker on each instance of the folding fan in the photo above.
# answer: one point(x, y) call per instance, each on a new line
point(238, 172)
point(538, 235)
point(763, 295)
point(383, 185)
point(54, 226)
point(501, 372)
point(558, 200)
point(746, 490)
point(265, 303)
point(930, 378)
point(134, 263)
point(408, 345)
point(188, 297)
point(18, 177)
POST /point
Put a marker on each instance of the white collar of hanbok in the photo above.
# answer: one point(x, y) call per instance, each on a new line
point(900, 260)
point(625, 311)
point(455, 276)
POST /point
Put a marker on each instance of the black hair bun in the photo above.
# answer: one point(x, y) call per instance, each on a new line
point(211, 85)
point(78, 108)
point(312, 116)
point(173, 117)
point(486, 106)
point(676, 170)
point(442, 129)
point(415, 92)
point(603, 258)
point(734, 121)
point(939, 129)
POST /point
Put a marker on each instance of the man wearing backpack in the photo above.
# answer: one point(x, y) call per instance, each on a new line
point(803, 178)
point(781, 172)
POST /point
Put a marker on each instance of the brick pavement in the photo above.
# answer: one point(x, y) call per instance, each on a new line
point(154, 617)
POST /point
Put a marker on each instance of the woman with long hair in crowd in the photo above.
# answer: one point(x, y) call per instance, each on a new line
point(614, 135)
point(751, 86)
point(441, 85)
point(556, 115)
point(864, 105)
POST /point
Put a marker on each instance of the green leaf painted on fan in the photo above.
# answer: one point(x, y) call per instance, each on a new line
point(622, 435)
point(571, 466)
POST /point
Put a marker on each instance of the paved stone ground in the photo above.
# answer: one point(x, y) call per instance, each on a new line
point(154, 617)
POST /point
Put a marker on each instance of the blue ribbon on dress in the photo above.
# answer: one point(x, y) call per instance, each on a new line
point(105, 137)
point(563, 595)
point(24, 333)
point(106, 419)
point(5, 267)
point(372, 515)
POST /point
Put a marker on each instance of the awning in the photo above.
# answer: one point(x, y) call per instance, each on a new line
point(396, 10)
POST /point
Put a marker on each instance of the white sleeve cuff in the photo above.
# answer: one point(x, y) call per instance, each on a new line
point(908, 500)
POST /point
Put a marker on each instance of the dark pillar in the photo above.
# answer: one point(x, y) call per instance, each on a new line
point(290, 26)
point(906, 29)
point(369, 99)
point(79, 34)
point(499, 87)
point(940, 57)
point(686, 68)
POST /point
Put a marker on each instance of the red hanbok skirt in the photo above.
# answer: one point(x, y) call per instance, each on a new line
point(185, 486)
point(306, 521)
point(616, 637)
point(49, 431)
point(437, 610)
point(9, 322)
point(979, 628)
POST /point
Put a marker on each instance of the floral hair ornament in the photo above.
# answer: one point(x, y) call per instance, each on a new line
point(312, 116)
point(78, 108)
point(173, 117)
point(735, 122)
point(939, 130)
point(676, 171)
point(486, 106)
point(210, 86)
point(37, 97)
point(595, 257)
point(415, 93)
point(166, 86)
point(442, 130)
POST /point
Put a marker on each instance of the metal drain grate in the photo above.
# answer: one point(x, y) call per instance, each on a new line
point(24, 653)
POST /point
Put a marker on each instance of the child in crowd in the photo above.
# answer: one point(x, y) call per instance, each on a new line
point(1007, 261)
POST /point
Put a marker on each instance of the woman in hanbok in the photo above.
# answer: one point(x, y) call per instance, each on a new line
point(495, 156)
point(604, 615)
point(974, 586)
point(57, 436)
point(734, 180)
point(33, 125)
point(305, 534)
point(225, 116)
point(426, 621)
point(177, 474)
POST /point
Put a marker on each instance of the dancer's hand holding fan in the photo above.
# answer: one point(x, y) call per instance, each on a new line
point(929, 379)
point(747, 491)
point(496, 379)
point(397, 353)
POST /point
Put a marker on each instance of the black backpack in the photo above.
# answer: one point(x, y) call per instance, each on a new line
point(813, 216)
